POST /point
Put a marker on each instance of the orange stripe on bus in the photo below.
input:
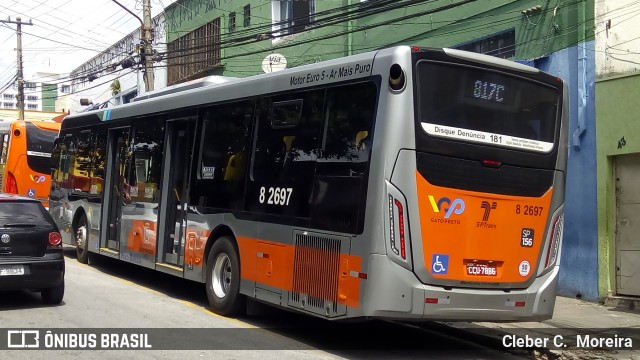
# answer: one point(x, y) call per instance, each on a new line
point(317, 273)
point(274, 264)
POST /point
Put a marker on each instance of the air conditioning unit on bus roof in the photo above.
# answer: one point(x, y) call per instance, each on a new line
point(188, 85)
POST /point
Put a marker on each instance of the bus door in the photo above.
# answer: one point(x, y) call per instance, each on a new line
point(177, 159)
point(119, 197)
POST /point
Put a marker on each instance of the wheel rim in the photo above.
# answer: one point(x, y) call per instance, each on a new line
point(81, 237)
point(221, 275)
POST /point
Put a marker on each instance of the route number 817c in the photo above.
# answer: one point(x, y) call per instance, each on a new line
point(277, 195)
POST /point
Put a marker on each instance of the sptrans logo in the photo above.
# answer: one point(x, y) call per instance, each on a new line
point(487, 207)
point(447, 208)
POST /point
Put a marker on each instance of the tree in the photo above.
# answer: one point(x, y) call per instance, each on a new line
point(115, 87)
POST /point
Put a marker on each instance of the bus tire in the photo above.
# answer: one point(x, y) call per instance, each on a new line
point(81, 232)
point(223, 278)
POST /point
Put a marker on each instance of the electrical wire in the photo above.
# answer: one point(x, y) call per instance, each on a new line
point(521, 43)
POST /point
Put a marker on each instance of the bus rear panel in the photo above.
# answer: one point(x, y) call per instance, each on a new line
point(475, 209)
point(28, 168)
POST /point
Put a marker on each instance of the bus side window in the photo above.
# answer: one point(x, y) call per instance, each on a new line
point(5, 148)
point(341, 175)
point(283, 163)
point(67, 159)
point(99, 138)
point(83, 164)
point(146, 160)
point(223, 157)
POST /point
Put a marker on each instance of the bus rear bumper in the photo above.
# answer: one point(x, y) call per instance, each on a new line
point(396, 293)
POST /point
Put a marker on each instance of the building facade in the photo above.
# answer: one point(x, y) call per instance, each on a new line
point(44, 94)
point(618, 156)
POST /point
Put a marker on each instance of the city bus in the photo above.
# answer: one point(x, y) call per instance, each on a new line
point(406, 183)
point(27, 170)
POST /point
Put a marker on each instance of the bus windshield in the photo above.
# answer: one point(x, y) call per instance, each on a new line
point(39, 147)
point(484, 106)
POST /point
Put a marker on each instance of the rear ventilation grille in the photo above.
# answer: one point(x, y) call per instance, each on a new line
point(316, 274)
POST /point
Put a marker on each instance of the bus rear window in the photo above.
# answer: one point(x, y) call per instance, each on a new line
point(478, 105)
point(39, 148)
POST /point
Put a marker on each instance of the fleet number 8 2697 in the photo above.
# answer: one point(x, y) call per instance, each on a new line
point(277, 195)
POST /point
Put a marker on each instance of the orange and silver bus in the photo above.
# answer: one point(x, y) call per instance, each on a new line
point(27, 170)
point(406, 183)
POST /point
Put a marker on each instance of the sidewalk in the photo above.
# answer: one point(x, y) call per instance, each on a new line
point(573, 320)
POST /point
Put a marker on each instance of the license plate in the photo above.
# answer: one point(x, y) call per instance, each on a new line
point(8, 270)
point(481, 270)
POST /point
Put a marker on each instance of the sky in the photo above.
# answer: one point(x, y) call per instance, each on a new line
point(65, 33)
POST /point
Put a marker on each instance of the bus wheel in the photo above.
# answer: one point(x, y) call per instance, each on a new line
point(223, 278)
point(82, 236)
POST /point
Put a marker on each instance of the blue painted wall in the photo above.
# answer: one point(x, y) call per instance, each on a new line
point(579, 262)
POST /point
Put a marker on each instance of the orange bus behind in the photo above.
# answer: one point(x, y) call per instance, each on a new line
point(28, 168)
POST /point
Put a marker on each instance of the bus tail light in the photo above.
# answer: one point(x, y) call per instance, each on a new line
point(10, 184)
point(553, 248)
point(397, 235)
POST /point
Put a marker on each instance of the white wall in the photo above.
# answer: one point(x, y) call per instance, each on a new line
point(617, 42)
point(98, 90)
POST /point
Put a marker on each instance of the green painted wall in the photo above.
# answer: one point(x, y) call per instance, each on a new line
point(544, 31)
point(242, 53)
point(617, 111)
point(49, 96)
point(552, 27)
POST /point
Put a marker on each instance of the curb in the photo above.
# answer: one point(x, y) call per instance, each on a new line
point(623, 302)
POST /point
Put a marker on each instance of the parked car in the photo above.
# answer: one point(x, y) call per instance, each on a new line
point(30, 249)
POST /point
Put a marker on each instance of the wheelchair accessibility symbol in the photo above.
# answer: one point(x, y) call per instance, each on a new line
point(440, 264)
point(31, 192)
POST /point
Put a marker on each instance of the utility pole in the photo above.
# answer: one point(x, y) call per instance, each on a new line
point(20, 77)
point(147, 40)
point(146, 37)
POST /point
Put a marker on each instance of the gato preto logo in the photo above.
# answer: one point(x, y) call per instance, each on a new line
point(20, 339)
point(487, 209)
point(37, 178)
point(447, 206)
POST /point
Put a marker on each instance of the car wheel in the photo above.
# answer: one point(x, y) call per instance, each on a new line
point(54, 295)
point(81, 232)
point(223, 278)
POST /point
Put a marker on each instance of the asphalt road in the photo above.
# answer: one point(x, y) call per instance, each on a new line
point(107, 295)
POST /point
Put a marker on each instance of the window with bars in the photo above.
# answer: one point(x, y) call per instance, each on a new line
point(32, 107)
point(7, 105)
point(30, 85)
point(32, 98)
point(247, 15)
point(292, 16)
point(502, 45)
point(232, 22)
point(65, 89)
point(194, 54)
